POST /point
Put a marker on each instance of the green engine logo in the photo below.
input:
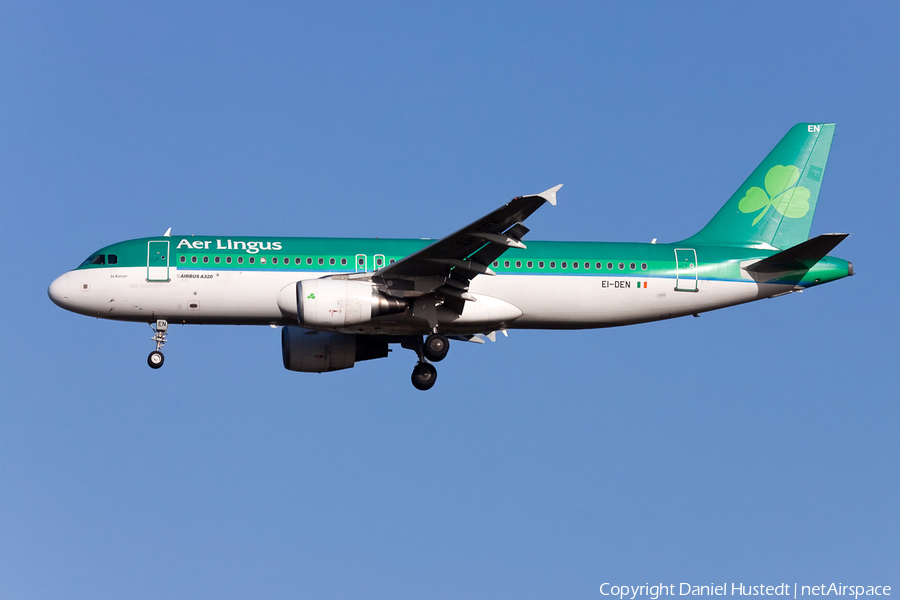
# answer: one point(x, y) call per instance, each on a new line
point(782, 192)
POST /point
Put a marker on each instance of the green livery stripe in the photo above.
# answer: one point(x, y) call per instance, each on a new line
point(641, 261)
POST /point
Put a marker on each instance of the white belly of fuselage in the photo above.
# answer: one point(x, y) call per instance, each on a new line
point(546, 302)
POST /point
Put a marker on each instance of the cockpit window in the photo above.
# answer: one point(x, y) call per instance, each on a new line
point(112, 259)
point(100, 259)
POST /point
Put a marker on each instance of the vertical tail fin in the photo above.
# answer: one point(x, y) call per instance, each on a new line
point(775, 206)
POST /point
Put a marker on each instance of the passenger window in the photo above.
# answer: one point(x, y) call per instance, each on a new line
point(240, 260)
point(361, 261)
point(296, 261)
point(518, 264)
point(587, 265)
point(344, 262)
point(112, 259)
point(540, 264)
point(182, 259)
point(309, 261)
point(621, 266)
point(575, 265)
point(274, 260)
point(506, 264)
point(205, 259)
point(252, 260)
point(228, 260)
point(609, 266)
point(262, 260)
point(599, 266)
point(631, 266)
point(331, 261)
point(194, 259)
point(496, 264)
point(392, 261)
point(529, 264)
point(552, 264)
point(564, 264)
point(643, 266)
point(321, 261)
point(217, 259)
point(378, 261)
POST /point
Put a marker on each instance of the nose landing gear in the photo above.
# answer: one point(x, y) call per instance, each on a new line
point(435, 349)
point(156, 358)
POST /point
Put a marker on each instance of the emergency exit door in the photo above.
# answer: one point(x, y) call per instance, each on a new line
point(362, 263)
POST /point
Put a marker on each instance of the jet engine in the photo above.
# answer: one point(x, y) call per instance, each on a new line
point(322, 351)
point(336, 303)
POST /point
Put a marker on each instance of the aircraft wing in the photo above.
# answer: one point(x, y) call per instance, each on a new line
point(446, 267)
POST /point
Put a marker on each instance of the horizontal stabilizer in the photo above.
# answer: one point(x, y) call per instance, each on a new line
point(801, 257)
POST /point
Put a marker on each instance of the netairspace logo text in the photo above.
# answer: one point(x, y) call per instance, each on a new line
point(654, 592)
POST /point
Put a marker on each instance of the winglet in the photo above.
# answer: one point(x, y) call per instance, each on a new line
point(550, 195)
point(168, 232)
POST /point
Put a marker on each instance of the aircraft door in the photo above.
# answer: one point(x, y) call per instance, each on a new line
point(685, 270)
point(157, 261)
point(361, 263)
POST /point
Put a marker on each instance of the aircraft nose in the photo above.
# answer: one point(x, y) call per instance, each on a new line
point(59, 290)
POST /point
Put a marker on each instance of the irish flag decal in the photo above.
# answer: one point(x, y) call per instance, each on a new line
point(644, 284)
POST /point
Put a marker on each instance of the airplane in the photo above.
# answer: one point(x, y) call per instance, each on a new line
point(342, 300)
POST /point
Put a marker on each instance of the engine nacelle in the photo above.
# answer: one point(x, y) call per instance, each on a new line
point(322, 351)
point(336, 303)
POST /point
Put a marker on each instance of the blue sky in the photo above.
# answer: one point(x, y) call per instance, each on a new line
point(755, 444)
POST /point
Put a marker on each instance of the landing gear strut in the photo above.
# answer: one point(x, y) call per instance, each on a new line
point(435, 348)
point(156, 358)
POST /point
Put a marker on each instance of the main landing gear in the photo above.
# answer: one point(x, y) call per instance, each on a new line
point(156, 358)
point(424, 376)
point(435, 349)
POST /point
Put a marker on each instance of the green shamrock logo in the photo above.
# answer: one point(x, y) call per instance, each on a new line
point(312, 296)
point(781, 191)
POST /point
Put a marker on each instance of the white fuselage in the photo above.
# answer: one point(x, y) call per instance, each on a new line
point(502, 301)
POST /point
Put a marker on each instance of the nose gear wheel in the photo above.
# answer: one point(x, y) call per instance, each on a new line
point(156, 359)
